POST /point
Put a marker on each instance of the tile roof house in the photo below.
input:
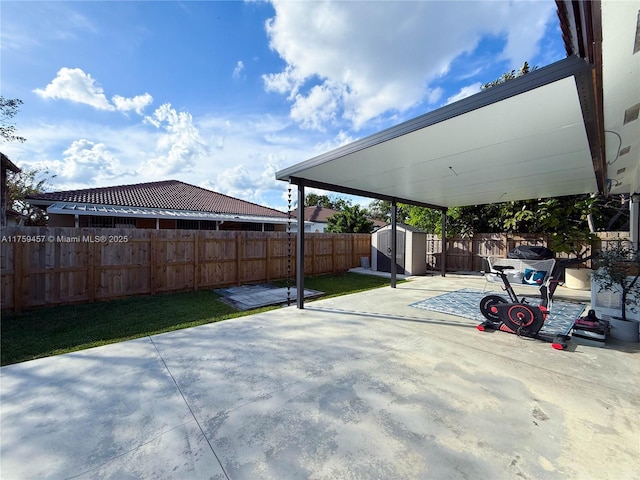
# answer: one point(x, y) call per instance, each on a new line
point(168, 204)
point(316, 219)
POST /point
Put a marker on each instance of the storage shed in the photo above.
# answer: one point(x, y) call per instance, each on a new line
point(411, 253)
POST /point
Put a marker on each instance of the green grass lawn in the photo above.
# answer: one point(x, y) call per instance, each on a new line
point(53, 331)
point(344, 284)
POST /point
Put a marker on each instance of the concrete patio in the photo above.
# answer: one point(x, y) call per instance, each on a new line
point(360, 386)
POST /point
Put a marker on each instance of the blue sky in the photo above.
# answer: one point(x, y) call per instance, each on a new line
point(224, 94)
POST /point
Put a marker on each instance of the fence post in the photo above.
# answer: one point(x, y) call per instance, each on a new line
point(55, 281)
point(17, 277)
point(91, 283)
point(333, 253)
point(354, 257)
point(152, 260)
point(238, 257)
point(196, 260)
point(314, 246)
point(268, 257)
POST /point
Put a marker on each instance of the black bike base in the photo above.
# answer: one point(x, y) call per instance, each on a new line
point(559, 342)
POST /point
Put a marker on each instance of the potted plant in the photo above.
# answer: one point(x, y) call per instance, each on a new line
point(617, 271)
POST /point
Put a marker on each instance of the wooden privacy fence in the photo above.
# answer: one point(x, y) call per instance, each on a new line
point(470, 254)
point(46, 266)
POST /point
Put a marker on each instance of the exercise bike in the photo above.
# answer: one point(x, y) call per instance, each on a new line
point(518, 316)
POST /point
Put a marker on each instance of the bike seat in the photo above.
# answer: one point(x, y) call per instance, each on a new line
point(500, 268)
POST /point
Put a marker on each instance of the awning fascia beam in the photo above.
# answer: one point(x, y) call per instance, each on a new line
point(361, 193)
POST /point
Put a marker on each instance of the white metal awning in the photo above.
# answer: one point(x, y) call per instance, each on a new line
point(531, 137)
point(62, 208)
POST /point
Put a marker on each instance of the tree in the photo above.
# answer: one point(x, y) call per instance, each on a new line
point(505, 77)
point(571, 219)
point(9, 108)
point(381, 210)
point(567, 219)
point(352, 219)
point(426, 219)
point(334, 203)
point(27, 182)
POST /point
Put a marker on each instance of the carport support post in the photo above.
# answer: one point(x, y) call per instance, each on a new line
point(300, 248)
point(634, 219)
point(394, 243)
point(443, 253)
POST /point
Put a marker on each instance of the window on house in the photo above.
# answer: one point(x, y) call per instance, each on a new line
point(112, 222)
point(188, 224)
point(257, 227)
point(207, 225)
point(121, 222)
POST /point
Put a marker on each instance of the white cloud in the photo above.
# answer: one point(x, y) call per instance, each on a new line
point(85, 160)
point(434, 95)
point(180, 146)
point(341, 138)
point(253, 180)
point(84, 163)
point(465, 92)
point(287, 81)
point(238, 70)
point(355, 61)
point(137, 103)
point(316, 109)
point(76, 86)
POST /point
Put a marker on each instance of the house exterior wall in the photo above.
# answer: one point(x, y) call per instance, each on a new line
point(312, 227)
point(145, 223)
point(13, 220)
point(169, 224)
point(316, 227)
point(62, 221)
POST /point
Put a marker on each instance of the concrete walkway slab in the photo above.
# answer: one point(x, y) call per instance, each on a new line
point(108, 412)
point(248, 297)
point(360, 386)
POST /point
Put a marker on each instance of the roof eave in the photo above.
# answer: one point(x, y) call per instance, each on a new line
point(581, 25)
point(76, 208)
point(8, 164)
